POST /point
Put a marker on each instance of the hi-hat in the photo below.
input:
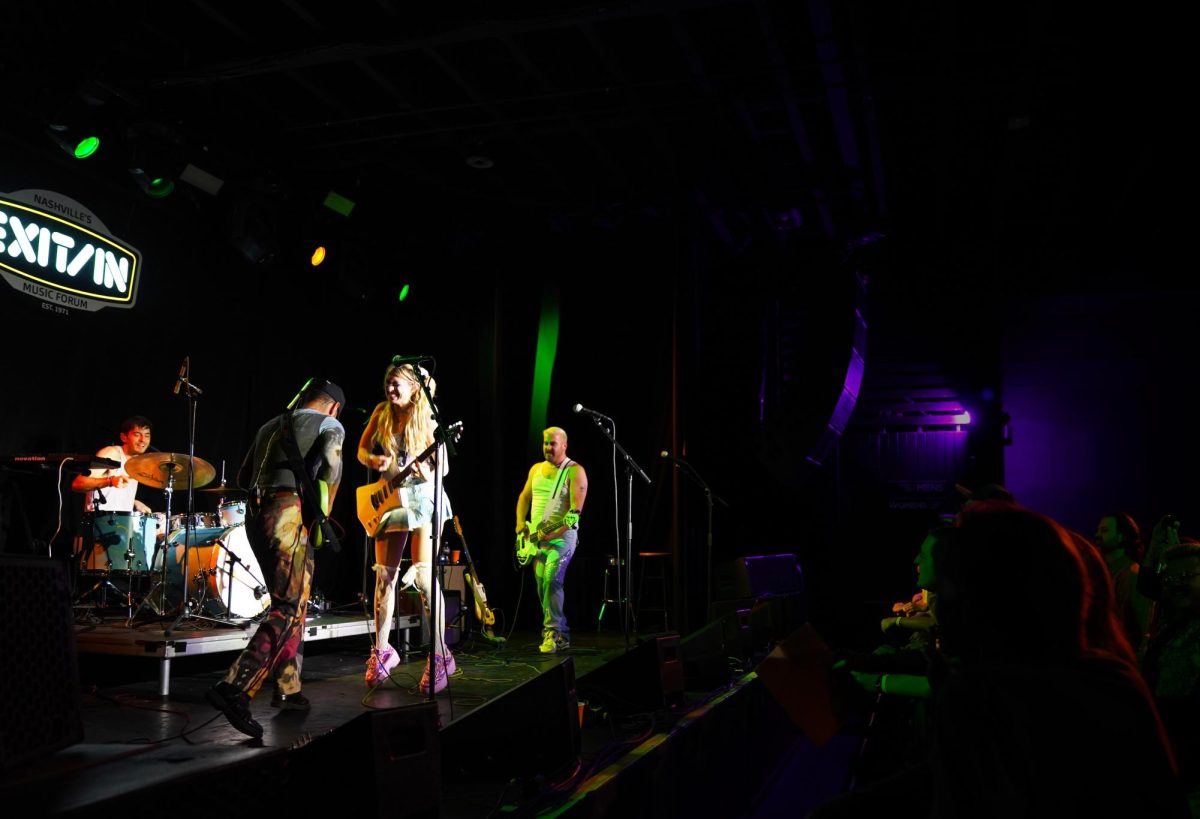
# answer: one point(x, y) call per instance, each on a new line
point(227, 490)
point(154, 468)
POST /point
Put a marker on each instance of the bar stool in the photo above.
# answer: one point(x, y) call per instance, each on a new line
point(611, 586)
point(654, 571)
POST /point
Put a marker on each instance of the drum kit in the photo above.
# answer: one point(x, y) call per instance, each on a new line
point(224, 582)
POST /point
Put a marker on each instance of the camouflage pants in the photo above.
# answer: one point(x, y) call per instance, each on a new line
point(277, 534)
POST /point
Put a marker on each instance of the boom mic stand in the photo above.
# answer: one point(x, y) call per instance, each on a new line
point(625, 594)
point(709, 497)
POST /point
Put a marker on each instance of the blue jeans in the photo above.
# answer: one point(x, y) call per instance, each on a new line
point(550, 570)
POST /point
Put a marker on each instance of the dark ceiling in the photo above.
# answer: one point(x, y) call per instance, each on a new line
point(994, 143)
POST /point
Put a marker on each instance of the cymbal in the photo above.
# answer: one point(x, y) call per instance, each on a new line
point(225, 490)
point(153, 469)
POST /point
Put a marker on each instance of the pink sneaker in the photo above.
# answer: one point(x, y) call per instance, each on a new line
point(380, 665)
point(439, 675)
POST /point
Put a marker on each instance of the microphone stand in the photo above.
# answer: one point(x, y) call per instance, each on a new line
point(193, 392)
point(445, 448)
point(630, 468)
point(709, 497)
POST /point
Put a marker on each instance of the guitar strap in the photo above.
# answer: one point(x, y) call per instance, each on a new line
point(562, 474)
point(308, 494)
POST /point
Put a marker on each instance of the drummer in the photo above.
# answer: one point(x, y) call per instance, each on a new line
point(113, 489)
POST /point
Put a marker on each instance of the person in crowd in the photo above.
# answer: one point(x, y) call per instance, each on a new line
point(1120, 542)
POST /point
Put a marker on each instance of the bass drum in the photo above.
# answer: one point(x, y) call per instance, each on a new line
point(225, 578)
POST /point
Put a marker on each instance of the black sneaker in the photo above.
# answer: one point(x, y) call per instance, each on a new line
point(290, 702)
point(235, 705)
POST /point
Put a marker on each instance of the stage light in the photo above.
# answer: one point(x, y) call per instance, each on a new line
point(156, 187)
point(155, 158)
point(76, 124)
point(403, 293)
point(318, 255)
point(338, 204)
point(78, 144)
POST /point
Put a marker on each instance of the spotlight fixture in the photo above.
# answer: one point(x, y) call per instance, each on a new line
point(77, 143)
point(75, 125)
point(154, 159)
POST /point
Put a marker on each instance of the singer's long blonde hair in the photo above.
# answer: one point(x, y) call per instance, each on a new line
point(418, 431)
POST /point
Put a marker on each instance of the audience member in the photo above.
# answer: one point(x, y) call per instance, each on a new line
point(1171, 664)
point(1120, 543)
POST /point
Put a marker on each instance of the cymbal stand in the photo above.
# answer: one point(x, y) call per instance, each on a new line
point(161, 585)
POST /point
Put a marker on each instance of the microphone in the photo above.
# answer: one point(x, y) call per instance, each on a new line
point(669, 457)
point(401, 360)
point(591, 412)
point(182, 374)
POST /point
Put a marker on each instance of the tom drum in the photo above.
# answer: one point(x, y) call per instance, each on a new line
point(121, 541)
point(232, 513)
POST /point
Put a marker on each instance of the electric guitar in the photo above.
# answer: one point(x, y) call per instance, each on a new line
point(483, 612)
point(377, 499)
point(527, 542)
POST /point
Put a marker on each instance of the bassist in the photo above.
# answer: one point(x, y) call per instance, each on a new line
point(548, 510)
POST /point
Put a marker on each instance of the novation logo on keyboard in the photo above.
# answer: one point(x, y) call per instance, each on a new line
point(55, 250)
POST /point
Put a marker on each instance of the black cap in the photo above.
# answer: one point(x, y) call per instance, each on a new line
point(333, 391)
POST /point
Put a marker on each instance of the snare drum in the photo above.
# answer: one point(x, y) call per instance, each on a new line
point(200, 520)
point(223, 573)
point(232, 513)
point(121, 541)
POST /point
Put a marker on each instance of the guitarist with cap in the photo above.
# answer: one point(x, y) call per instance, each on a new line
point(292, 471)
point(548, 510)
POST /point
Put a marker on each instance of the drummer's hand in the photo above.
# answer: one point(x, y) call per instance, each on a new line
point(118, 481)
point(143, 508)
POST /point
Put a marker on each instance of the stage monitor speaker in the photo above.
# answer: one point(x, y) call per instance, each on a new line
point(387, 763)
point(709, 654)
point(531, 730)
point(40, 702)
point(647, 677)
point(760, 576)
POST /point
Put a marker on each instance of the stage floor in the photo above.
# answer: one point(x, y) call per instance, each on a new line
point(139, 733)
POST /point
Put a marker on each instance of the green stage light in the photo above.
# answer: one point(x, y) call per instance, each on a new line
point(156, 187)
point(403, 293)
point(86, 147)
point(339, 204)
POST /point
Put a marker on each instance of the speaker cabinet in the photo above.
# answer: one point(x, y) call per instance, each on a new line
point(648, 676)
point(40, 701)
point(760, 576)
point(389, 762)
